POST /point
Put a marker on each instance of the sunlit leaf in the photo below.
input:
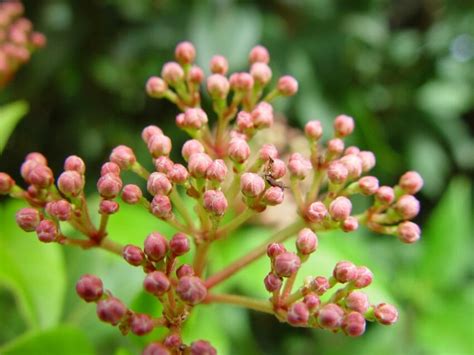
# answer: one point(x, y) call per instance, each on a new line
point(10, 115)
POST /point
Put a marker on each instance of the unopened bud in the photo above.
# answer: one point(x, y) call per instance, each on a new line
point(345, 271)
point(215, 202)
point(357, 301)
point(298, 314)
point(307, 241)
point(407, 206)
point(273, 196)
point(158, 184)
point(350, 224)
point(217, 171)
point(156, 348)
point(110, 168)
point(71, 183)
point(156, 87)
point(47, 231)
point(156, 246)
point(262, 115)
point(196, 75)
point(330, 316)
point(335, 147)
point(259, 54)
point(385, 195)
point(316, 212)
point(60, 209)
point(179, 244)
point(261, 73)
point(159, 145)
point(198, 164)
point(28, 219)
point(156, 283)
point(150, 131)
point(364, 277)
point(272, 282)
point(161, 207)
point(368, 160)
point(141, 324)
point(408, 232)
point(37, 157)
point(172, 73)
point(178, 174)
point(218, 86)
point(313, 130)
point(6, 184)
point(190, 147)
point(267, 152)
point(108, 207)
point(185, 52)
point(109, 186)
point(320, 285)
point(411, 182)
point(287, 85)
point(340, 208)
point(219, 65)
point(337, 173)
point(251, 185)
point(278, 169)
point(241, 82)
point(275, 249)
point(75, 163)
point(163, 164)
point(312, 301)
point(191, 289)
point(286, 264)
point(238, 150)
point(386, 313)
point(343, 125)
point(184, 270)
point(40, 176)
point(368, 185)
point(202, 347)
point(89, 288)
point(111, 310)
point(353, 324)
point(133, 255)
point(194, 118)
point(131, 194)
point(123, 156)
point(299, 166)
point(353, 165)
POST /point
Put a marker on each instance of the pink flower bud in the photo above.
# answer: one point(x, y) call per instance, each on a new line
point(163, 164)
point(178, 174)
point(198, 164)
point(251, 185)
point(219, 65)
point(191, 289)
point(286, 264)
point(299, 166)
point(131, 194)
point(215, 202)
point(156, 348)
point(353, 150)
point(353, 324)
point(179, 244)
point(89, 288)
point(307, 241)
point(272, 282)
point(320, 285)
point(244, 121)
point(71, 183)
point(184, 270)
point(156, 87)
point(108, 207)
point(28, 219)
point(385, 195)
point(316, 212)
point(340, 208)
point(196, 75)
point(273, 196)
point(156, 246)
point(343, 125)
point(158, 184)
point(262, 115)
point(75, 163)
point(218, 86)
point(337, 173)
point(156, 283)
point(238, 150)
point(141, 324)
point(267, 152)
point(298, 314)
point(287, 85)
point(159, 145)
point(407, 206)
point(190, 147)
point(38, 40)
point(357, 301)
point(261, 73)
point(335, 147)
point(109, 186)
point(278, 169)
point(217, 171)
point(364, 277)
point(6, 184)
point(202, 347)
point(330, 316)
point(123, 156)
point(350, 224)
point(408, 232)
point(161, 207)
point(133, 255)
point(27, 167)
point(313, 130)
point(185, 52)
point(110, 168)
point(368, 185)
point(40, 176)
point(259, 54)
point(368, 160)
point(386, 313)
point(111, 310)
point(37, 157)
point(311, 301)
point(353, 165)
point(172, 341)
point(411, 182)
point(172, 73)
point(60, 209)
point(194, 118)
point(150, 131)
point(47, 231)
point(241, 82)
point(345, 271)
point(275, 249)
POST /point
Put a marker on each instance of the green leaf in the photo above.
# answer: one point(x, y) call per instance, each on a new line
point(59, 341)
point(32, 270)
point(10, 115)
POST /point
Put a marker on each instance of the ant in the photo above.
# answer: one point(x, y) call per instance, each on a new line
point(268, 176)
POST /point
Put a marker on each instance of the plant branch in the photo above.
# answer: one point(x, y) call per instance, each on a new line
point(242, 301)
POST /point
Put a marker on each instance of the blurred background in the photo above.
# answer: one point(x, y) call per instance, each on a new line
point(403, 69)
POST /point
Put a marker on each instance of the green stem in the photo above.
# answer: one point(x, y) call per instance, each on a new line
point(295, 296)
point(242, 301)
point(138, 169)
point(104, 218)
point(235, 223)
point(315, 186)
point(201, 257)
point(295, 188)
point(181, 207)
point(288, 286)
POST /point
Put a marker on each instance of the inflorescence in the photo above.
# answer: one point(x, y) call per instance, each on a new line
point(225, 173)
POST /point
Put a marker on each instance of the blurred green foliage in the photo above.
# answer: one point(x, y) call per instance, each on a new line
point(403, 69)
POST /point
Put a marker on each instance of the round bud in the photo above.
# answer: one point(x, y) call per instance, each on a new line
point(408, 232)
point(158, 184)
point(316, 212)
point(259, 54)
point(218, 86)
point(272, 282)
point(330, 316)
point(219, 65)
point(275, 249)
point(385, 195)
point(238, 150)
point(111, 310)
point(368, 185)
point(353, 165)
point(178, 174)
point(261, 73)
point(364, 277)
point(273, 196)
point(198, 164)
point(109, 186)
point(357, 301)
point(343, 125)
point(320, 285)
point(368, 160)
point(108, 207)
point(156, 246)
point(194, 118)
point(352, 150)
point(89, 288)
point(286, 264)
point(262, 115)
point(407, 206)
point(150, 131)
point(163, 164)
point(340, 208)
point(184, 270)
point(267, 152)
point(386, 313)
point(156, 283)
point(191, 289)
point(287, 85)
point(244, 121)
point(37, 157)
point(172, 73)
point(156, 87)
point(156, 348)
point(185, 52)
point(75, 163)
point(353, 324)
point(196, 75)
point(159, 145)
point(307, 241)
point(6, 184)
point(123, 156)
point(47, 231)
point(141, 324)
point(215, 202)
point(242, 82)
point(337, 173)
point(298, 314)
point(217, 171)
point(60, 209)
point(173, 341)
point(40, 176)
point(131, 194)
point(27, 167)
point(179, 244)
point(350, 224)
point(202, 347)
point(71, 183)
point(411, 182)
point(299, 166)
point(335, 147)
point(110, 168)
point(312, 301)
point(161, 207)
point(28, 219)
point(251, 185)
point(278, 169)
point(133, 255)
point(313, 130)
point(190, 147)
point(345, 271)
